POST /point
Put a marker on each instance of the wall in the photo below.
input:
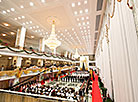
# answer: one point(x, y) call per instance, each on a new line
point(118, 59)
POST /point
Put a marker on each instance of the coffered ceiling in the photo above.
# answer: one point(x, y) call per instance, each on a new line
point(77, 21)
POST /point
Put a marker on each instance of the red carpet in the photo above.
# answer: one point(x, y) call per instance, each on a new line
point(96, 95)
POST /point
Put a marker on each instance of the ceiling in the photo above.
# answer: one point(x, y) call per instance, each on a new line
point(77, 22)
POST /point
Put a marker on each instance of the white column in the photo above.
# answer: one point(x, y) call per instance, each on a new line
point(20, 37)
point(41, 49)
point(42, 45)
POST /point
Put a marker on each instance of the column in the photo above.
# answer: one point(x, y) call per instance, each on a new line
point(42, 45)
point(20, 37)
point(41, 49)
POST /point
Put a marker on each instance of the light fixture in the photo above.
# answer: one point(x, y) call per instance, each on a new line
point(75, 12)
point(52, 41)
point(12, 33)
point(12, 9)
point(30, 22)
point(21, 6)
point(23, 16)
point(30, 27)
point(4, 12)
point(8, 10)
point(15, 18)
point(32, 37)
point(82, 18)
point(19, 17)
point(10, 58)
point(88, 22)
point(81, 11)
point(77, 19)
point(31, 4)
point(4, 34)
point(37, 26)
point(73, 4)
point(87, 17)
point(76, 54)
point(85, 2)
point(6, 24)
point(79, 24)
point(79, 3)
point(86, 10)
point(27, 22)
point(43, 1)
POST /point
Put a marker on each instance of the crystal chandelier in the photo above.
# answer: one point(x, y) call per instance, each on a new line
point(76, 54)
point(52, 41)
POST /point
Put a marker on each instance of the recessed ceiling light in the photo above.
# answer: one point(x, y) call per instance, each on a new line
point(4, 34)
point(19, 17)
point(86, 10)
point(83, 23)
point(80, 28)
point(30, 22)
point(23, 16)
point(23, 23)
point(43, 1)
point(8, 10)
point(82, 18)
point(81, 11)
point(84, 27)
point(15, 18)
point(4, 12)
point(27, 22)
point(37, 26)
point(21, 6)
point(30, 27)
point(34, 27)
point(79, 24)
point(88, 22)
point(85, 2)
point(46, 32)
point(12, 33)
point(31, 4)
point(88, 27)
point(77, 19)
point(6, 24)
point(75, 12)
point(87, 17)
point(32, 36)
point(81, 31)
point(79, 3)
point(72, 28)
point(65, 30)
point(59, 31)
point(12, 9)
point(73, 4)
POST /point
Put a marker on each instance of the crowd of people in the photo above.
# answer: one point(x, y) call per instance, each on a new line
point(48, 90)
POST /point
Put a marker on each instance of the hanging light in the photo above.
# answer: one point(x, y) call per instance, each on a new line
point(52, 41)
point(76, 54)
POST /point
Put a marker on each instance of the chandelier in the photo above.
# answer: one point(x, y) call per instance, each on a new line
point(76, 54)
point(52, 41)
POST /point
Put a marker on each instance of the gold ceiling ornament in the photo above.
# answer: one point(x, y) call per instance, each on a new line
point(52, 41)
point(106, 34)
point(131, 7)
point(113, 10)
